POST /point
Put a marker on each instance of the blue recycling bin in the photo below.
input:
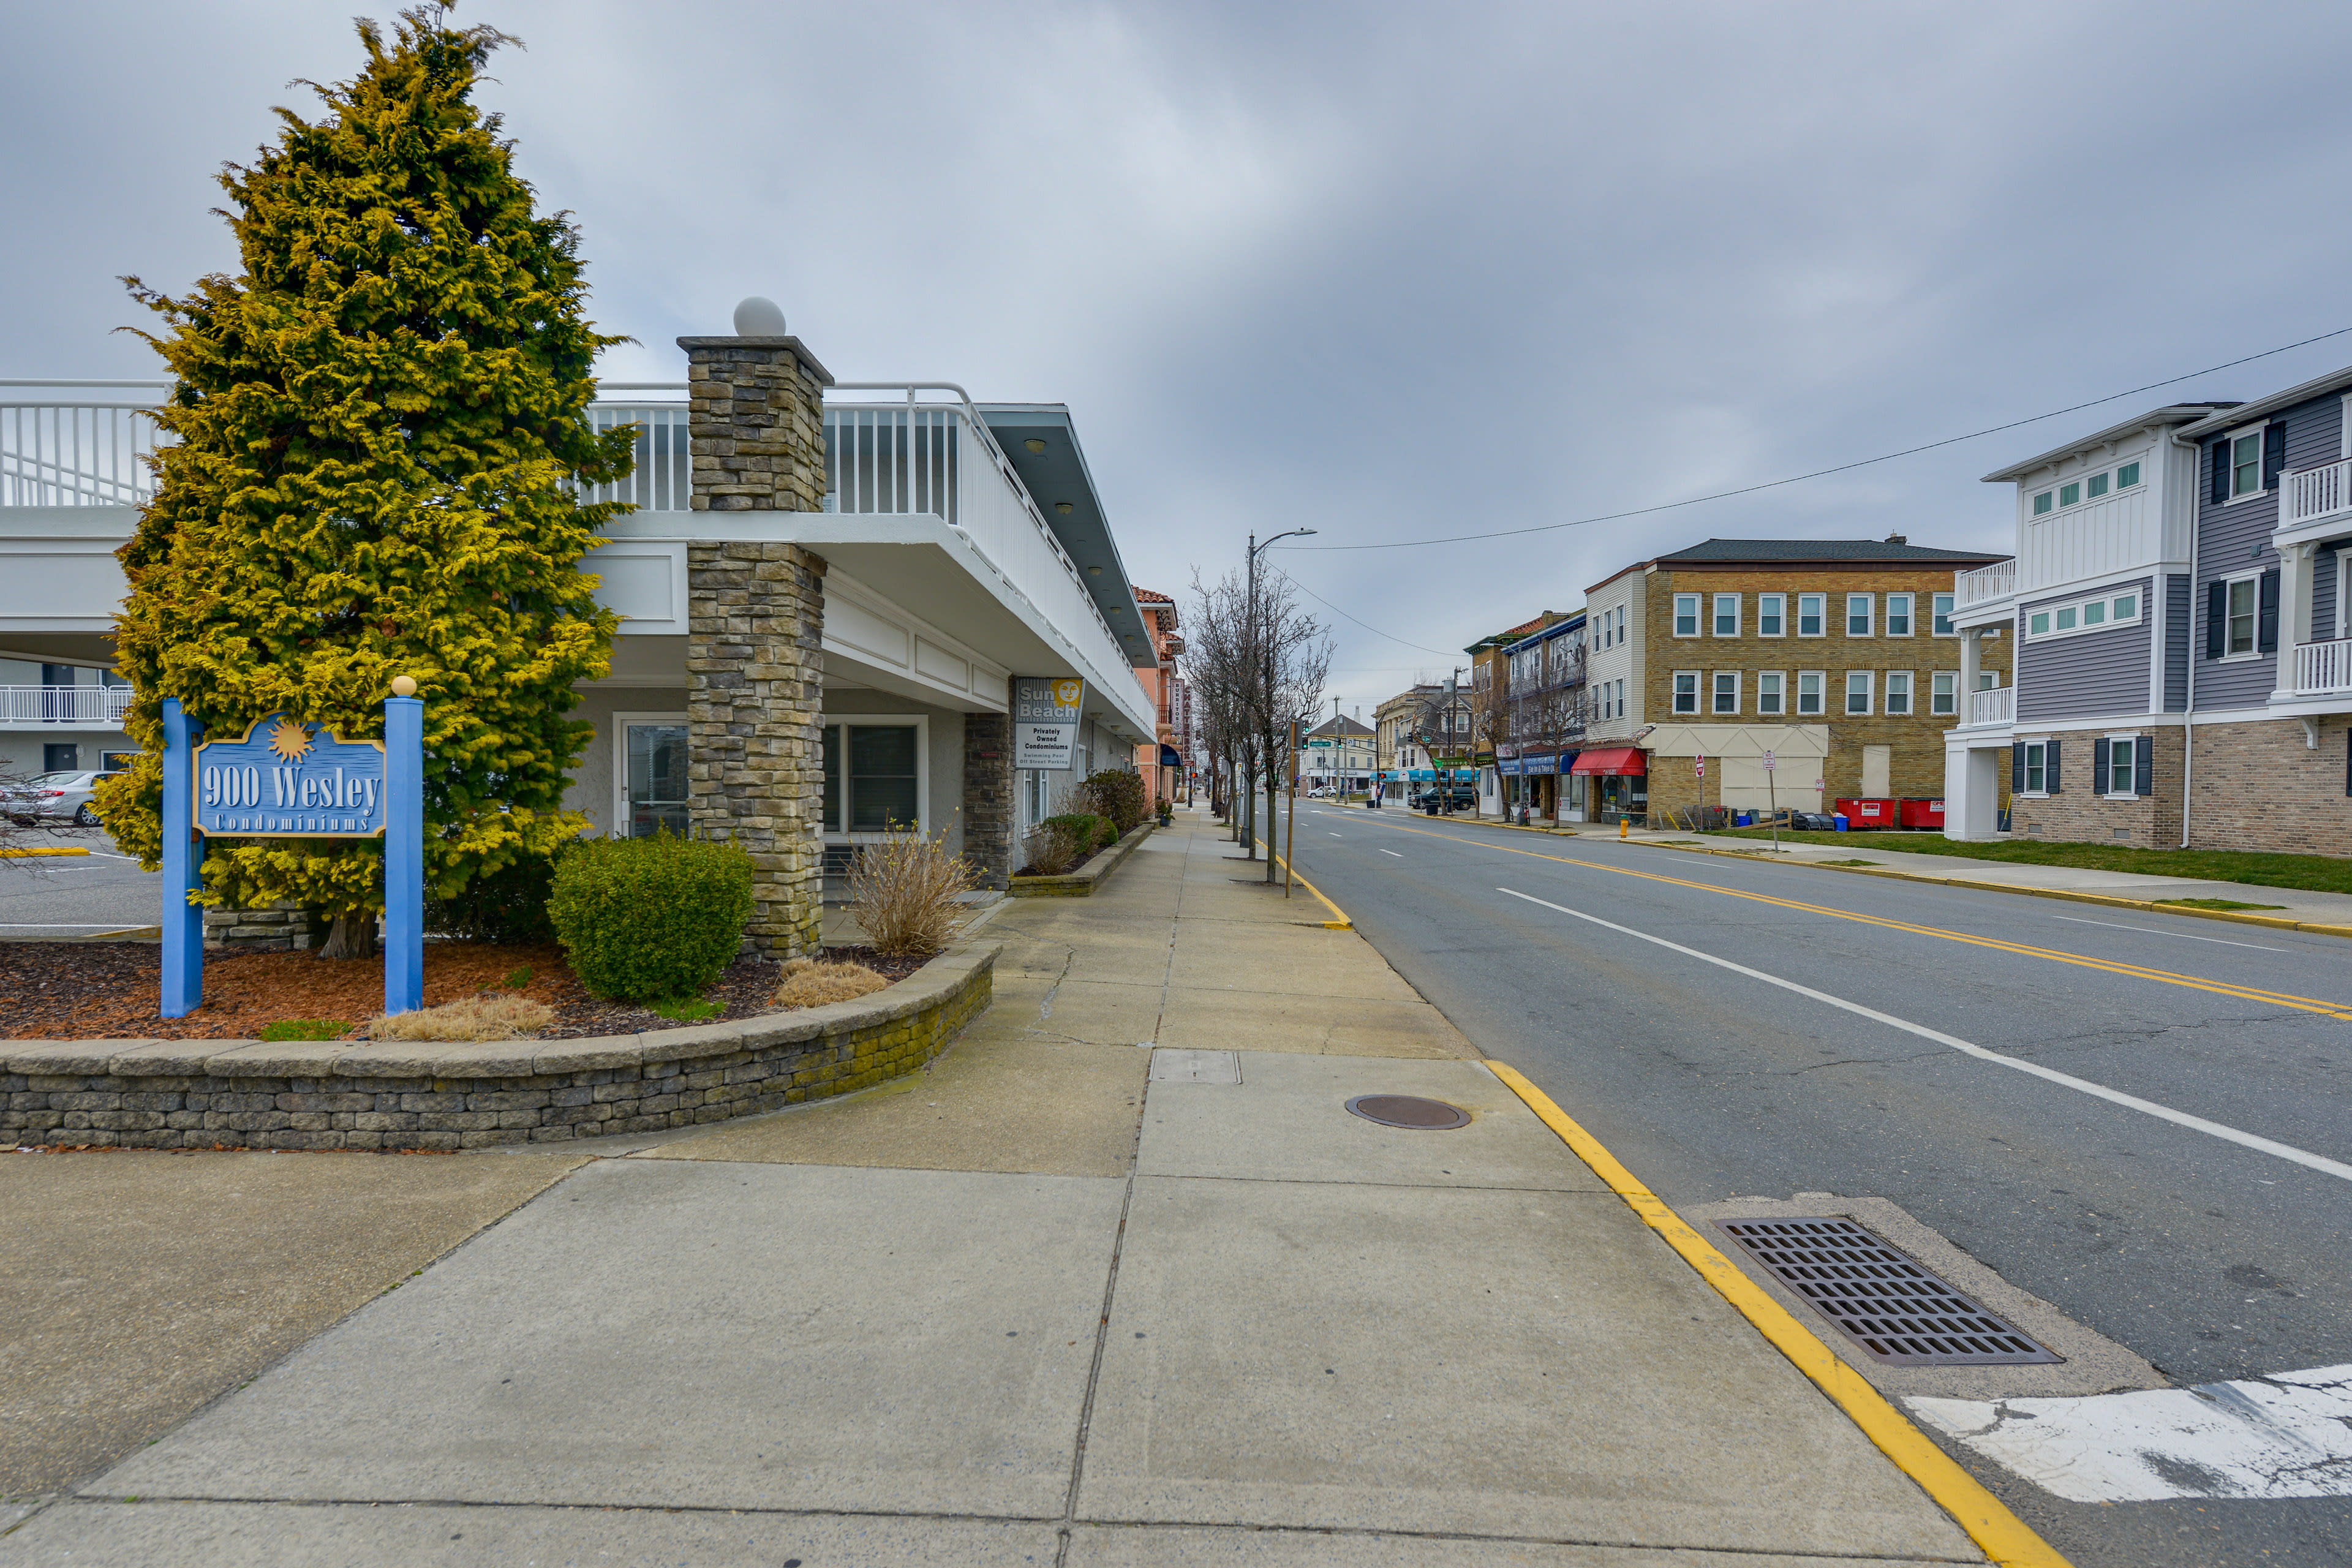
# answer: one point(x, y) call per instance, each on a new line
point(1747, 819)
point(1839, 822)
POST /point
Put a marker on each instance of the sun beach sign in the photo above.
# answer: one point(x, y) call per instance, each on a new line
point(283, 778)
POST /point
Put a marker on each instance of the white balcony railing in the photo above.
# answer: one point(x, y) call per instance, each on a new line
point(1997, 706)
point(2323, 668)
point(1996, 581)
point(64, 704)
point(2316, 493)
point(57, 451)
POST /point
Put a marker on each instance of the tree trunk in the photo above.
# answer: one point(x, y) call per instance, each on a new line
point(351, 936)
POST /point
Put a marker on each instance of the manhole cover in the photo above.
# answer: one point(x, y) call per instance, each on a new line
point(1882, 1297)
point(1408, 1111)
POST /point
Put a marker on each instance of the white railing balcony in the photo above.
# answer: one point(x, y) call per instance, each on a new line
point(82, 705)
point(2323, 668)
point(1996, 581)
point(58, 450)
point(1997, 706)
point(2312, 495)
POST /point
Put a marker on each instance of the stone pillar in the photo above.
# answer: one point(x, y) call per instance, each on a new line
point(755, 618)
point(988, 795)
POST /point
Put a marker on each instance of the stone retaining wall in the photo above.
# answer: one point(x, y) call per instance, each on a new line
point(392, 1094)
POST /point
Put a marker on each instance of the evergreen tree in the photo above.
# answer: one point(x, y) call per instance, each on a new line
point(380, 425)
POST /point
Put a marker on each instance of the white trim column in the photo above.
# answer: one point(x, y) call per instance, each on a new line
point(2295, 614)
point(1971, 662)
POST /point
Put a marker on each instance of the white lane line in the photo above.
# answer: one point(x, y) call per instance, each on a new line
point(2155, 931)
point(1335, 835)
point(1392, 852)
point(2280, 1436)
point(2320, 1162)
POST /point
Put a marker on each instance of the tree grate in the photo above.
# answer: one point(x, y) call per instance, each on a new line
point(1882, 1297)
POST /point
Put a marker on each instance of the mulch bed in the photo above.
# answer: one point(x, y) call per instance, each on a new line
point(109, 989)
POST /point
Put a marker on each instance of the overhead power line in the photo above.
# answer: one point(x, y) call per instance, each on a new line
point(1815, 474)
point(1376, 631)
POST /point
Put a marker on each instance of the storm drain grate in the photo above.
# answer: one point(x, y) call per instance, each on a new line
point(1882, 1297)
point(1409, 1110)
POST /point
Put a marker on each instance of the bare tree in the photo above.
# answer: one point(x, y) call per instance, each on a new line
point(1259, 665)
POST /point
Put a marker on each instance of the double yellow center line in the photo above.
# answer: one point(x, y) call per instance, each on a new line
point(2131, 971)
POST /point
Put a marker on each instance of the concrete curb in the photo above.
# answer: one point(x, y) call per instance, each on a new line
point(1082, 882)
point(429, 1094)
point(2235, 917)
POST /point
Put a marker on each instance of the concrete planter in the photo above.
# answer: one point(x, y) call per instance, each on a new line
point(1082, 882)
point(404, 1094)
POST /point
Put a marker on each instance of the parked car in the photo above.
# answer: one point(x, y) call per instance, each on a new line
point(54, 795)
point(1462, 798)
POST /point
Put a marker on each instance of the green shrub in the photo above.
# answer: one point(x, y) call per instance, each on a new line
point(1086, 830)
point(508, 905)
point(1114, 793)
point(651, 918)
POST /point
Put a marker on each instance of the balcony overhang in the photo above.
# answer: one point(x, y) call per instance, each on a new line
point(1057, 478)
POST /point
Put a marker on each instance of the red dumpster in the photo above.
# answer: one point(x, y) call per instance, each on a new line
point(1865, 813)
point(1921, 813)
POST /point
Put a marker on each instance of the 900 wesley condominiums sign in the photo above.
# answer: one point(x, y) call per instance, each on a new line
point(286, 778)
point(1046, 720)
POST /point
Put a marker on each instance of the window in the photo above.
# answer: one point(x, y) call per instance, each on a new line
point(2120, 775)
point(1861, 609)
point(1769, 692)
point(1727, 615)
point(1811, 610)
point(2034, 767)
point(1899, 614)
point(2244, 598)
point(1808, 691)
point(2246, 465)
point(1857, 691)
point(1687, 691)
point(1770, 611)
point(1944, 694)
point(870, 778)
point(1988, 680)
point(1727, 692)
point(1899, 692)
point(2069, 494)
point(1941, 608)
point(2126, 475)
point(1685, 615)
point(2042, 503)
point(2084, 615)
point(2096, 486)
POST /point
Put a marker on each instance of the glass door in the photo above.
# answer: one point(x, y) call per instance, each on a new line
point(656, 787)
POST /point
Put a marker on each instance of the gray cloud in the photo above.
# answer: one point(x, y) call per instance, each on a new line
point(1390, 272)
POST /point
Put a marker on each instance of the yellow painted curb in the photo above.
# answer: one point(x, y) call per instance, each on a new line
point(2235, 917)
point(24, 853)
point(2004, 1537)
point(1339, 920)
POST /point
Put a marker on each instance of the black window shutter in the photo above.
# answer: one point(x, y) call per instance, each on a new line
point(2017, 768)
point(2274, 453)
point(2221, 471)
point(2099, 776)
point(2050, 767)
point(2266, 623)
point(2144, 773)
point(2217, 618)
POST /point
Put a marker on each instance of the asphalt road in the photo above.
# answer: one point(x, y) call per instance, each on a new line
point(2213, 1259)
point(49, 897)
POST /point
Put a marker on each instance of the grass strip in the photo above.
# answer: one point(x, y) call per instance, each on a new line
point(2310, 873)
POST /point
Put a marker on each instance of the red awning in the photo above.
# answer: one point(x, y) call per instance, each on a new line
point(1612, 760)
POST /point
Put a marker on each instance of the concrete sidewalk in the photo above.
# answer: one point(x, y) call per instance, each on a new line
point(1120, 1280)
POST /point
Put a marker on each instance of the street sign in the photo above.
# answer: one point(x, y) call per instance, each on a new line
point(1702, 765)
point(1768, 762)
point(1046, 720)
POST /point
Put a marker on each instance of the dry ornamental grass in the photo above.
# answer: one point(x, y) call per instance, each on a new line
point(905, 887)
point(488, 1017)
point(809, 983)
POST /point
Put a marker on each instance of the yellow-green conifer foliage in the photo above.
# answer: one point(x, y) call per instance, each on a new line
point(378, 425)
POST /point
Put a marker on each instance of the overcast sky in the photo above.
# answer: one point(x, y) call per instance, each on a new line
point(1388, 272)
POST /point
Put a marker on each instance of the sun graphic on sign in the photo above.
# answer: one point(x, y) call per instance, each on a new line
point(289, 741)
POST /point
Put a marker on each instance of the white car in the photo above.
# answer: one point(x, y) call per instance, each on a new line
point(54, 795)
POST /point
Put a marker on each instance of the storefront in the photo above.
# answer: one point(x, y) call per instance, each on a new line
point(1617, 781)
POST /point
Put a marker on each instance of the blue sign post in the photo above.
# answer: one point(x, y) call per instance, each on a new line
point(286, 779)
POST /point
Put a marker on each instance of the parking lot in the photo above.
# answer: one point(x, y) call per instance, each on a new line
point(55, 898)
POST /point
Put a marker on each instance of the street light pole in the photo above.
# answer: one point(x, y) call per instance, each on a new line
point(1254, 547)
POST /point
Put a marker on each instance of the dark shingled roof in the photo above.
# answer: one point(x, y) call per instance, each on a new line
point(1819, 550)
